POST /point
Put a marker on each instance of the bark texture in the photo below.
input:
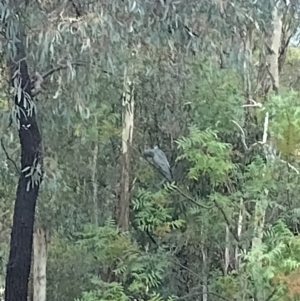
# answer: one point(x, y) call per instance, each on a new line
point(128, 122)
point(40, 250)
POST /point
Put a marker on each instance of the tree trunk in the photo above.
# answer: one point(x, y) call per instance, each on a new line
point(227, 250)
point(239, 232)
point(268, 77)
point(40, 248)
point(128, 119)
point(273, 56)
point(204, 274)
point(94, 181)
point(273, 71)
point(30, 281)
point(248, 46)
point(18, 268)
point(271, 81)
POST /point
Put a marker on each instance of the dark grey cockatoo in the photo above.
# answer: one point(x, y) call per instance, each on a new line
point(160, 160)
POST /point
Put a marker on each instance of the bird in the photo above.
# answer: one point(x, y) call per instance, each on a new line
point(160, 160)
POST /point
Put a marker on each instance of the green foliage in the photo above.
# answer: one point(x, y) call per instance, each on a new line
point(184, 102)
point(215, 97)
point(276, 255)
point(110, 254)
point(105, 292)
point(263, 265)
point(285, 125)
point(152, 212)
point(281, 248)
point(206, 153)
point(293, 54)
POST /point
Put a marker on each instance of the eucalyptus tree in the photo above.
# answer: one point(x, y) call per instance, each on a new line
point(24, 116)
point(59, 37)
point(82, 48)
point(63, 35)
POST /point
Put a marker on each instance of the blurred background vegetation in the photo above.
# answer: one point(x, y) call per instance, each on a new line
point(216, 86)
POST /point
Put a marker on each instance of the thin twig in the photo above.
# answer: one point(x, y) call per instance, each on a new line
point(41, 78)
point(265, 133)
point(254, 104)
point(8, 157)
point(191, 199)
point(228, 224)
point(290, 166)
point(272, 294)
point(50, 72)
point(243, 134)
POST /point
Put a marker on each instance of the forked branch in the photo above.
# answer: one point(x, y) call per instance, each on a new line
point(38, 79)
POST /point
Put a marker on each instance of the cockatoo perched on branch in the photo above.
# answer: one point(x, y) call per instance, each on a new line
point(160, 160)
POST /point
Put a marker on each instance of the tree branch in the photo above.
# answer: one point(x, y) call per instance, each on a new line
point(8, 157)
point(39, 79)
point(229, 225)
point(191, 199)
point(50, 72)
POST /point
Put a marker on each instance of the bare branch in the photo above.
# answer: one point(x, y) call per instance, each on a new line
point(266, 125)
point(191, 199)
point(265, 134)
point(227, 222)
point(254, 104)
point(264, 140)
point(50, 72)
point(290, 166)
point(8, 157)
point(38, 79)
point(243, 134)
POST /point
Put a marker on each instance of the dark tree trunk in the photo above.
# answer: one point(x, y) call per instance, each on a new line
point(18, 268)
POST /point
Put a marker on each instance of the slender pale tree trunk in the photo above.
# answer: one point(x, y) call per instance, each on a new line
point(227, 250)
point(40, 250)
point(204, 273)
point(272, 81)
point(273, 56)
point(127, 132)
point(248, 46)
point(239, 232)
point(273, 72)
point(94, 181)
